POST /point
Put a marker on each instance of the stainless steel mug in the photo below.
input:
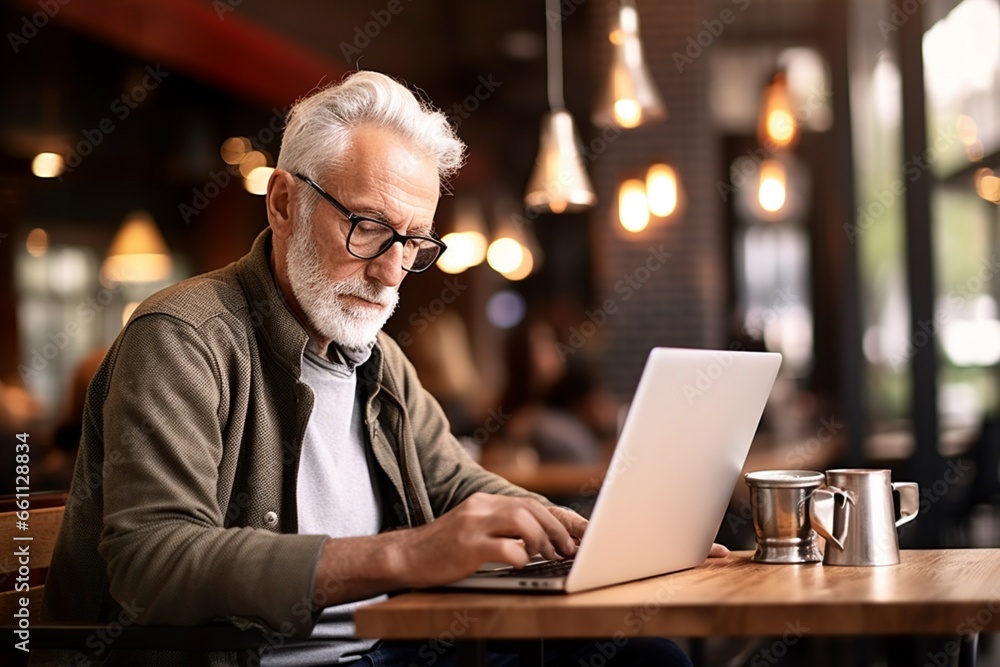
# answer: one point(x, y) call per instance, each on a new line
point(856, 515)
point(779, 500)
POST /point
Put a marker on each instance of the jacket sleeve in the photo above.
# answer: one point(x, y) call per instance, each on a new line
point(168, 553)
point(449, 473)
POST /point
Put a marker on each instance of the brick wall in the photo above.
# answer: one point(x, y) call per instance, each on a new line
point(681, 303)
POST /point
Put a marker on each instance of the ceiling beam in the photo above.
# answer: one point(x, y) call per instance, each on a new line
point(210, 41)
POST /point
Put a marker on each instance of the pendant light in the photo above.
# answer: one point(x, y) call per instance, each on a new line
point(630, 98)
point(48, 161)
point(138, 253)
point(559, 182)
point(777, 127)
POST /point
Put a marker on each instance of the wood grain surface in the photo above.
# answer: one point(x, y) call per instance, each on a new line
point(43, 528)
point(945, 592)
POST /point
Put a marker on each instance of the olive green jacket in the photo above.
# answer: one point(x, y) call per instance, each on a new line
point(183, 504)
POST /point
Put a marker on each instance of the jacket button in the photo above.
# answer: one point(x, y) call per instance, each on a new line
point(271, 519)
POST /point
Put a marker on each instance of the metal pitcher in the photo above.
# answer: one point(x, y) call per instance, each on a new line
point(856, 515)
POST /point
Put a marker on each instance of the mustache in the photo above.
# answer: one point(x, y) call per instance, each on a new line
point(373, 292)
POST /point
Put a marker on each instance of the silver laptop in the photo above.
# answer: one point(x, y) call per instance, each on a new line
point(677, 461)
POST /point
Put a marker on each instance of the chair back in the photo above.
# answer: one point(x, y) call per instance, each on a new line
point(31, 536)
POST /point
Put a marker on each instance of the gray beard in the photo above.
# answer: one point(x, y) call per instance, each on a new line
point(320, 298)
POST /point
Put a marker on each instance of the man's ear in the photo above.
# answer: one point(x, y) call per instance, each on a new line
point(281, 203)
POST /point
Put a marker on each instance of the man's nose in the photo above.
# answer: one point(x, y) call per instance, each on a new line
point(387, 268)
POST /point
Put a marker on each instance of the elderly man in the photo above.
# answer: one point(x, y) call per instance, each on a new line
point(255, 449)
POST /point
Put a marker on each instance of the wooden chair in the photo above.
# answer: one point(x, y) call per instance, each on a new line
point(45, 519)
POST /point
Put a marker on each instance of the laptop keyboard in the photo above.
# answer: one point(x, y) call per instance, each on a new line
point(552, 568)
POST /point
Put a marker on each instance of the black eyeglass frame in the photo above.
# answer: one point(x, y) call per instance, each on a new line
point(356, 219)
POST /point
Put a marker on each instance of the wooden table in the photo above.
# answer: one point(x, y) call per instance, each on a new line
point(940, 592)
point(554, 479)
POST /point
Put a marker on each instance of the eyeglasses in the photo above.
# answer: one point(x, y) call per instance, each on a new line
point(370, 238)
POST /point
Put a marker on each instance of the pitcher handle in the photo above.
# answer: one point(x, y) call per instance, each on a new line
point(823, 508)
point(909, 501)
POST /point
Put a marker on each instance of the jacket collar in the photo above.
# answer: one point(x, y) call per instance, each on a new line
point(269, 311)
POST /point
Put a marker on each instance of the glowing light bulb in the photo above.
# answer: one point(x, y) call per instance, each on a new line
point(772, 190)
point(465, 250)
point(505, 255)
point(251, 161)
point(781, 126)
point(47, 165)
point(777, 125)
point(988, 185)
point(523, 270)
point(234, 149)
point(256, 181)
point(37, 243)
point(558, 205)
point(661, 190)
point(633, 211)
point(476, 243)
point(628, 112)
point(453, 260)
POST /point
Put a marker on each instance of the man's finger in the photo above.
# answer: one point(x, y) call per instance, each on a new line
point(718, 551)
point(559, 540)
point(510, 551)
point(573, 522)
point(557, 533)
point(516, 520)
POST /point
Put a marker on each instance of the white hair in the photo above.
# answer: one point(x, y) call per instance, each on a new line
point(319, 128)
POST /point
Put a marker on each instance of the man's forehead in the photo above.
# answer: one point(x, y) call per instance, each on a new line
point(384, 160)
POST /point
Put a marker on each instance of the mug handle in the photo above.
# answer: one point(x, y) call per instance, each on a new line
point(823, 508)
point(909, 501)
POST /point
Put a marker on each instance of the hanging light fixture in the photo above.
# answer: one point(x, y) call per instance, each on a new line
point(46, 144)
point(138, 253)
point(630, 98)
point(777, 127)
point(559, 182)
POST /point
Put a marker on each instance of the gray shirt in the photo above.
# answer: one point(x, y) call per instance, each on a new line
point(336, 497)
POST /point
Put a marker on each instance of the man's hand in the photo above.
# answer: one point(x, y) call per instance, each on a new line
point(485, 528)
point(718, 551)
